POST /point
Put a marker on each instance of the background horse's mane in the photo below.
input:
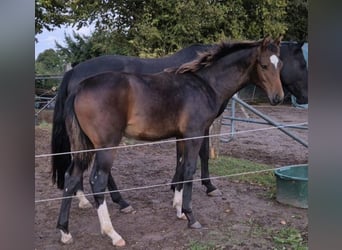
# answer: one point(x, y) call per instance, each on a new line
point(206, 58)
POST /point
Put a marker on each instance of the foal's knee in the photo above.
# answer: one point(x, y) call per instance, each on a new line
point(98, 183)
point(189, 172)
point(71, 183)
point(99, 180)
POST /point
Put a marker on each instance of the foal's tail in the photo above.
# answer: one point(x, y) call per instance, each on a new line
point(60, 141)
point(78, 139)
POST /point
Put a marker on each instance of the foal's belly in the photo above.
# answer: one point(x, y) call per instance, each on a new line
point(150, 132)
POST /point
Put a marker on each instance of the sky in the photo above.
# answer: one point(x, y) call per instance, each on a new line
point(46, 39)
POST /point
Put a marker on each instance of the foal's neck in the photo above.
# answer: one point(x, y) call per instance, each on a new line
point(231, 73)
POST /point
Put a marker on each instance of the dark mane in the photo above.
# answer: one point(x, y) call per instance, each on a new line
point(205, 59)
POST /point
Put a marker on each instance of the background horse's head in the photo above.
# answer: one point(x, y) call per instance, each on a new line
point(294, 75)
point(268, 69)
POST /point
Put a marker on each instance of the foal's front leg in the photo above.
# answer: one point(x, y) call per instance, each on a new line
point(191, 150)
point(204, 156)
point(178, 177)
point(179, 161)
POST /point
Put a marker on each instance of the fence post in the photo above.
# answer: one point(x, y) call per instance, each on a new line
point(214, 142)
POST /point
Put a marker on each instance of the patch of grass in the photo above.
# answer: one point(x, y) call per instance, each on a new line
point(128, 141)
point(195, 245)
point(45, 125)
point(256, 230)
point(289, 238)
point(254, 234)
point(225, 165)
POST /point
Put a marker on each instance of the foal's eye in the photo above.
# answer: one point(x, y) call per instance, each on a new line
point(263, 66)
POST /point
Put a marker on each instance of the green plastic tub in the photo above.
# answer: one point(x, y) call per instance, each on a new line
point(292, 185)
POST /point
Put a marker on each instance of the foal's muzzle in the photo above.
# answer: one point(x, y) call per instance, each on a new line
point(277, 99)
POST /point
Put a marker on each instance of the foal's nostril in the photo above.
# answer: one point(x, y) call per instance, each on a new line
point(277, 99)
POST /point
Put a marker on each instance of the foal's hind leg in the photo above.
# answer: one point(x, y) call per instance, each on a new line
point(72, 181)
point(116, 196)
point(99, 182)
point(83, 201)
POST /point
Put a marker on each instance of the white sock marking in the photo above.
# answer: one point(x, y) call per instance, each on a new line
point(66, 238)
point(84, 203)
point(177, 203)
point(274, 59)
point(106, 224)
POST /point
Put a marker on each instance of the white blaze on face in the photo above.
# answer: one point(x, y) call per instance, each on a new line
point(274, 60)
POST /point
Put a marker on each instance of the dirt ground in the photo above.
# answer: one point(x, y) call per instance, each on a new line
point(244, 217)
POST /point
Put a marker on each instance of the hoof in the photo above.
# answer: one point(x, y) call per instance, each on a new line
point(215, 193)
point(120, 243)
point(128, 210)
point(66, 238)
point(196, 225)
point(85, 204)
point(182, 217)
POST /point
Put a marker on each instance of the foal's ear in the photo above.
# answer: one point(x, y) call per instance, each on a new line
point(278, 40)
point(266, 41)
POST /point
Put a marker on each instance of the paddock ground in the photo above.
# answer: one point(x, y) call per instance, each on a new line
point(244, 217)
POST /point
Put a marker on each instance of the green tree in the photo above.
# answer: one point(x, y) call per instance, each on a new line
point(235, 20)
point(159, 27)
point(49, 63)
point(297, 20)
point(79, 48)
point(166, 26)
point(50, 14)
point(106, 15)
point(264, 17)
point(118, 15)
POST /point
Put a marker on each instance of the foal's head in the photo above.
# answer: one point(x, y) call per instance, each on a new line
point(268, 68)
